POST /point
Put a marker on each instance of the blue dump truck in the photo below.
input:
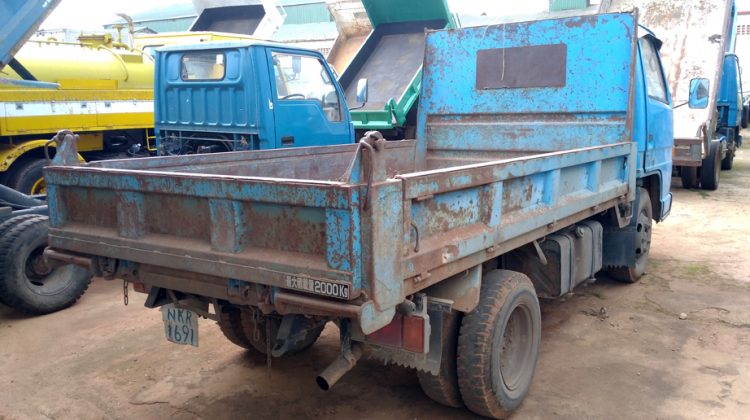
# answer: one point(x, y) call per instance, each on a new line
point(542, 157)
point(246, 96)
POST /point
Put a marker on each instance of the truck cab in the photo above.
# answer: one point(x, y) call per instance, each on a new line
point(653, 125)
point(250, 95)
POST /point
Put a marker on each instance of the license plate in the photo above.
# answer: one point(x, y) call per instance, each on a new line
point(180, 325)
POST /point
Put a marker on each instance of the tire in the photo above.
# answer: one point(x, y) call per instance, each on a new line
point(711, 167)
point(486, 354)
point(230, 324)
point(745, 115)
point(732, 136)
point(443, 387)
point(642, 224)
point(689, 176)
point(241, 328)
point(727, 162)
point(26, 282)
point(6, 226)
point(28, 177)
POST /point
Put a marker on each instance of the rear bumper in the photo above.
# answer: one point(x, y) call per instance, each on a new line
point(274, 299)
point(687, 152)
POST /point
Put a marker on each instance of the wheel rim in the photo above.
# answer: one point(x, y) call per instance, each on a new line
point(37, 269)
point(43, 279)
point(39, 187)
point(516, 347)
point(643, 240)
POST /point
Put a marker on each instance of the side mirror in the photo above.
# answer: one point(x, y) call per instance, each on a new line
point(698, 93)
point(362, 90)
point(296, 64)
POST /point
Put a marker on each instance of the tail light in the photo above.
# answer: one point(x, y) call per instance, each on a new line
point(409, 332)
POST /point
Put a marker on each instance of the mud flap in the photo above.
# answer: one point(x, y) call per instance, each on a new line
point(427, 362)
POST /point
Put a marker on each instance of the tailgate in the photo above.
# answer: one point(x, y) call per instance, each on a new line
point(202, 214)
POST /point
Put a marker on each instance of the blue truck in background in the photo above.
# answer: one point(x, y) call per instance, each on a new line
point(224, 112)
point(542, 157)
point(251, 95)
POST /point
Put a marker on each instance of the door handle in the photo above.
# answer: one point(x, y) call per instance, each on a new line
point(287, 140)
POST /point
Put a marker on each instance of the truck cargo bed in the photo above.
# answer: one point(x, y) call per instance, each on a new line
point(389, 60)
point(344, 50)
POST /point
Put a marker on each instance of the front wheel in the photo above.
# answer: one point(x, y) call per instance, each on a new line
point(498, 346)
point(711, 167)
point(27, 283)
point(28, 176)
point(642, 222)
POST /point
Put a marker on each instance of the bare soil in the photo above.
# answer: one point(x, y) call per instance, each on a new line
point(608, 351)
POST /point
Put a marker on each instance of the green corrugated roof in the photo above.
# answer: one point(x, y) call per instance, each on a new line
point(307, 13)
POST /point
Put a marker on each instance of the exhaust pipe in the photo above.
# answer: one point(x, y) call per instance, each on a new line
point(339, 367)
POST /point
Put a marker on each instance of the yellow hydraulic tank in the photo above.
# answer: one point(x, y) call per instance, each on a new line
point(95, 62)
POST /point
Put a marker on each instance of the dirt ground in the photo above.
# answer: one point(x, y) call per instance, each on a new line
point(608, 351)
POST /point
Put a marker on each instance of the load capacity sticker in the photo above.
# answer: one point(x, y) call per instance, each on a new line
point(319, 287)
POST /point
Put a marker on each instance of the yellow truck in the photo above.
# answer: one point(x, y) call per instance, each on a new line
point(98, 87)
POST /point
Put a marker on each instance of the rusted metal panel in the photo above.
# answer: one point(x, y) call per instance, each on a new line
point(522, 67)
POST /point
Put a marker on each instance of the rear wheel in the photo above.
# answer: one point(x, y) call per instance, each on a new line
point(250, 329)
point(498, 346)
point(443, 387)
point(728, 161)
point(711, 167)
point(230, 324)
point(28, 177)
point(642, 222)
point(27, 283)
point(689, 176)
point(259, 329)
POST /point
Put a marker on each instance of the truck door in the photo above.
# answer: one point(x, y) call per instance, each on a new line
point(307, 105)
point(657, 147)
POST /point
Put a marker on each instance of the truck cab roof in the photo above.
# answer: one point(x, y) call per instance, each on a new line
point(219, 45)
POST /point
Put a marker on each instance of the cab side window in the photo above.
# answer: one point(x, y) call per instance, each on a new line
point(302, 77)
point(652, 68)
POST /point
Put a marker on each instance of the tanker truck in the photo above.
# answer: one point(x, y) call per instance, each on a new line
point(100, 87)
